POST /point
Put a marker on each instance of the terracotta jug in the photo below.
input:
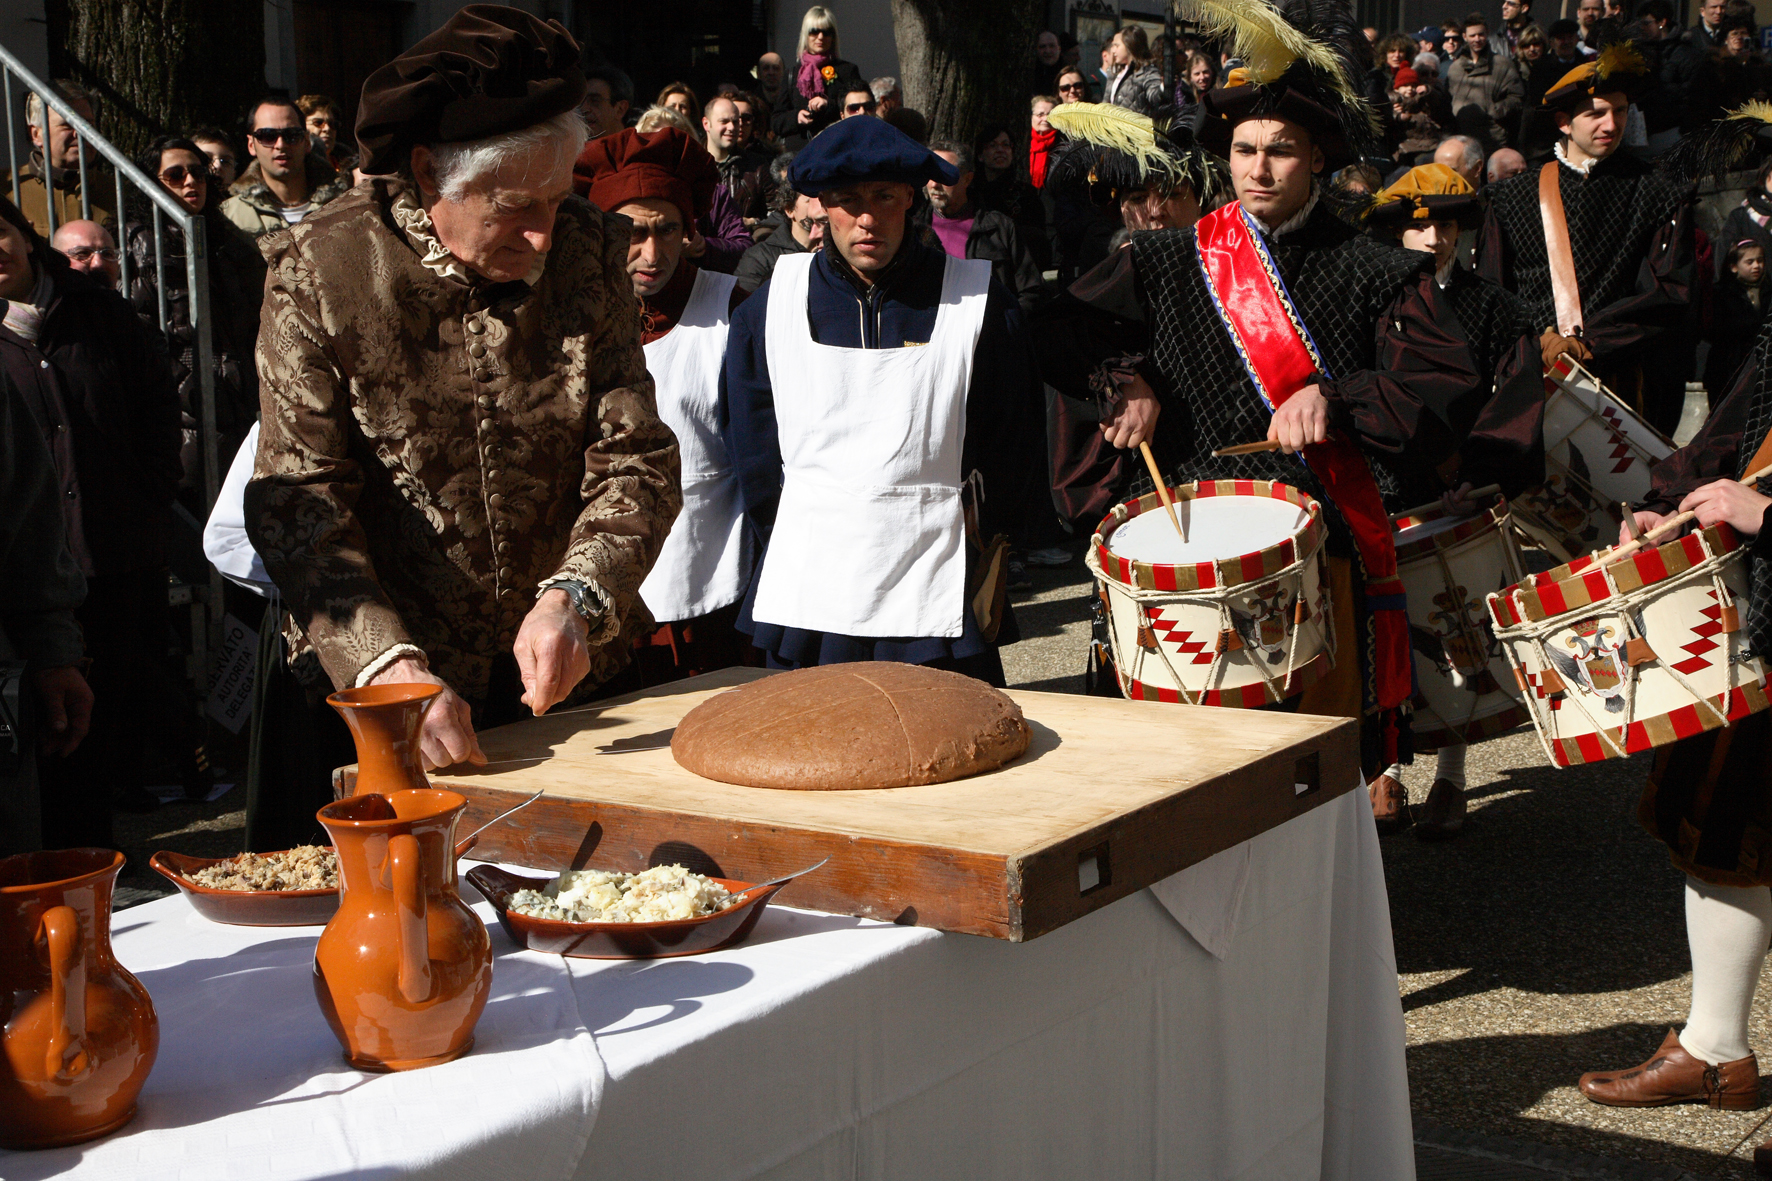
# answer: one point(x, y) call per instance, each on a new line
point(403, 970)
point(80, 1032)
point(384, 722)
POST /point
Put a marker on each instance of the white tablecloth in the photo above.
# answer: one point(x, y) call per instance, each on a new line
point(1115, 1047)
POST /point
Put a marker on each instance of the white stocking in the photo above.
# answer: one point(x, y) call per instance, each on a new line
point(1395, 771)
point(1728, 928)
point(1451, 764)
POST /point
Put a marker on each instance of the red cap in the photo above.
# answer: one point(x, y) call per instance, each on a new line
point(1406, 76)
point(666, 164)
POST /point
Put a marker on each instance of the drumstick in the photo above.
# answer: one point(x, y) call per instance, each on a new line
point(1630, 519)
point(1248, 448)
point(1150, 461)
point(1672, 523)
point(1475, 493)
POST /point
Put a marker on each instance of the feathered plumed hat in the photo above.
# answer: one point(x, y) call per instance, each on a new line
point(1427, 192)
point(1303, 60)
point(1619, 69)
point(1740, 139)
point(1112, 151)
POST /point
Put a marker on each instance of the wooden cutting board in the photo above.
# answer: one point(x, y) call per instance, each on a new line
point(1110, 797)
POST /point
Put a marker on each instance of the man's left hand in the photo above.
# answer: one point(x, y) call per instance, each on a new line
point(1727, 500)
point(1301, 421)
point(551, 650)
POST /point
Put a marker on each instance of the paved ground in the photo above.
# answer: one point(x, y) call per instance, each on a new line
point(1548, 940)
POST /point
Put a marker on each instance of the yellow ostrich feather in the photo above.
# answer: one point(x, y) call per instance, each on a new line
point(1759, 111)
point(1265, 41)
point(1117, 129)
point(1620, 58)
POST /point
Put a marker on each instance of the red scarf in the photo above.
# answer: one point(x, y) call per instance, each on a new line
point(1039, 147)
point(1281, 358)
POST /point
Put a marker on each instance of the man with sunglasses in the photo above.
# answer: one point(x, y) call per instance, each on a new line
point(858, 102)
point(286, 181)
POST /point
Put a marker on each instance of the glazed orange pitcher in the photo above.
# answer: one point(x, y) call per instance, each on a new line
point(385, 722)
point(403, 970)
point(80, 1033)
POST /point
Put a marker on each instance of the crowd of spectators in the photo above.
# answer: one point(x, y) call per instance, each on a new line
point(110, 377)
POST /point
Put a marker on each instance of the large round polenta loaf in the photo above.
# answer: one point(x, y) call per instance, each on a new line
point(845, 726)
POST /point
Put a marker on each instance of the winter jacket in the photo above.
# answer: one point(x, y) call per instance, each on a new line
point(33, 199)
point(841, 78)
point(236, 289)
point(746, 177)
point(1487, 94)
point(255, 210)
point(1140, 90)
point(98, 382)
point(994, 239)
point(759, 261)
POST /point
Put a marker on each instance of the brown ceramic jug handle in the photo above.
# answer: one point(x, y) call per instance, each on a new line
point(409, 900)
point(67, 993)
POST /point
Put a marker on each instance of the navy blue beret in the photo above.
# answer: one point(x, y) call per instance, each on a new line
point(863, 148)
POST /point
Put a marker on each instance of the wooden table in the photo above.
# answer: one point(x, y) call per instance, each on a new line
point(1110, 797)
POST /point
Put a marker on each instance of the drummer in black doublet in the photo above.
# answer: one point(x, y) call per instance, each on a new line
point(1380, 356)
point(1498, 422)
point(1709, 796)
point(1629, 235)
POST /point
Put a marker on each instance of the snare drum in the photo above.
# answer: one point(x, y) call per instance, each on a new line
point(1651, 649)
point(1597, 452)
point(1464, 688)
point(1238, 615)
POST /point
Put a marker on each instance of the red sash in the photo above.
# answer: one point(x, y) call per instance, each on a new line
point(1281, 358)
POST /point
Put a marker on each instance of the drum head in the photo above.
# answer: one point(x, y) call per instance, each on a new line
point(1218, 527)
point(1439, 523)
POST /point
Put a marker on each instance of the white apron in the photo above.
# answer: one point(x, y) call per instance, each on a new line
point(702, 566)
point(869, 539)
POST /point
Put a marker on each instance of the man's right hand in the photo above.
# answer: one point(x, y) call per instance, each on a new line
point(1136, 419)
point(1553, 344)
point(66, 703)
point(448, 734)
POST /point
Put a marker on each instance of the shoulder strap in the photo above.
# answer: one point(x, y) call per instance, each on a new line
point(1565, 291)
point(1761, 458)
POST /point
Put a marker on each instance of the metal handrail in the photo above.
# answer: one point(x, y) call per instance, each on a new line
point(165, 206)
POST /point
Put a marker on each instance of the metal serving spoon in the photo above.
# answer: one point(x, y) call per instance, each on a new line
point(467, 842)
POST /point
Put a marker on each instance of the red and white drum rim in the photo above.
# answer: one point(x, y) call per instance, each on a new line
point(1220, 572)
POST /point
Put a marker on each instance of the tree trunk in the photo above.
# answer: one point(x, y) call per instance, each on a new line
point(159, 67)
point(967, 63)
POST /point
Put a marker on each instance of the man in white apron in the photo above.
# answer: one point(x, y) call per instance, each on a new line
point(864, 386)
point(661, 181)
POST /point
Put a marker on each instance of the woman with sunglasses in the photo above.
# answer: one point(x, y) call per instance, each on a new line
point(236, 276)
point(1072, 86)
point(817, 82)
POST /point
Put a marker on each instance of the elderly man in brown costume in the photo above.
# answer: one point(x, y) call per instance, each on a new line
point(462, 477)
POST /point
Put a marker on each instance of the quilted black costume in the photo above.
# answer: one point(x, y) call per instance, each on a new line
point(1381, 323)
point(1707, 797)
point(1630, 232)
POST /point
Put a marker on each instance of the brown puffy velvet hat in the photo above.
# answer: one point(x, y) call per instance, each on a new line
point(666, 164)
point(489, 70)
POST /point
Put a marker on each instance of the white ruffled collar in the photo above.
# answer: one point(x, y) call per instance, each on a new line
point(1563, 159)
point(415, 222)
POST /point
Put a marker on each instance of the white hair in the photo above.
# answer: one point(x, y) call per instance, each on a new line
point(659, 118)
point(1472, 149)
point(883, 88)
point(1427, 65)
point(36, 109)
point(458, 165)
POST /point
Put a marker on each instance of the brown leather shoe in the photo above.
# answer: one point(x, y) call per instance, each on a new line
point(1674, 1076)
point(1390, 805)
point(1442, 817)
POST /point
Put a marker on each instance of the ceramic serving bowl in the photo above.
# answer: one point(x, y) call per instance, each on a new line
point(244, 908)
point(620, 941)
